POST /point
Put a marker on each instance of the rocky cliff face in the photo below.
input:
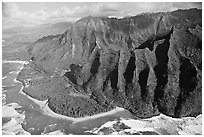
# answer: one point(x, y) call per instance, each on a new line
point(147, 64)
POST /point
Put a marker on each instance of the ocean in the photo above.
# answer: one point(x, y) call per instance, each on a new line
point(35, 121)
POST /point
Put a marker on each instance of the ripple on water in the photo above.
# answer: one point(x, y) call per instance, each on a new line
point(33, 119)
point(29, 116)
point(12, 120)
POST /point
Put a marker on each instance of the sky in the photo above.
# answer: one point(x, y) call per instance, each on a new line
point(35, 13)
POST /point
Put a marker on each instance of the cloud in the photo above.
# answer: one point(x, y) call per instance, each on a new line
point(40, 15)
point(13, 15)
point(11, 10)
point(124, 9)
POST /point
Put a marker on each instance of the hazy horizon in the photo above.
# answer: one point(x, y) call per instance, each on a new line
point(35, 13)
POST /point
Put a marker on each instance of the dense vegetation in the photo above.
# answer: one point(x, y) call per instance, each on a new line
point(139, 63)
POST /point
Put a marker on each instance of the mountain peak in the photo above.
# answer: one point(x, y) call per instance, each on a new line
point(147, 64)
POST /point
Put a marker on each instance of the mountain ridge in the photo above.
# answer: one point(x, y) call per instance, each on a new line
point(141, 63)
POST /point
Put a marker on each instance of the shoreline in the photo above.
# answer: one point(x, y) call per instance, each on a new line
point(14, 125)
point(47, 111)
point(15, 61)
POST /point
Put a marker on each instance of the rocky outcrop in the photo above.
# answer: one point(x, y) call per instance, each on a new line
point(147, 64)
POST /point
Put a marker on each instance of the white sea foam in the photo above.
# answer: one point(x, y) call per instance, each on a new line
point(9, 110)
point(4, 77)
point(182, 126)
point(58, 132)
point(15, 61)
point(3, 99)
point(14, 125)
point(16, 81)
point(187, 125)
point(47, 111)
point(14, 72)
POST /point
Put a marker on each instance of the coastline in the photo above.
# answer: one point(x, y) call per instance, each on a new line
point(47, 111)
point(14, 125)
point(15, 61)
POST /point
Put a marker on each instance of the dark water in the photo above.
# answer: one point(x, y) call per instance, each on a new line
point(35, 121)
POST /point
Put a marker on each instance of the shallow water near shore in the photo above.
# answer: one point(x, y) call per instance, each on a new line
point(35, 121)
point(24, 115)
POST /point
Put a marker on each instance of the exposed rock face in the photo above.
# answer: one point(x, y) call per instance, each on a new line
point(147, 64)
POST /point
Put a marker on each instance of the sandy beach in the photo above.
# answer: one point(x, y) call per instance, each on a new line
point(149, 124)
point(47, 111)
